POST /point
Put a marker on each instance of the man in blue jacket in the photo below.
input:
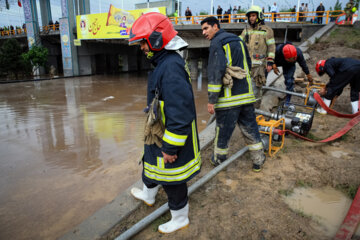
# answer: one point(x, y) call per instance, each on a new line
point(174, 158)
point(286, 55)
point(230, 104)
point(342, 71)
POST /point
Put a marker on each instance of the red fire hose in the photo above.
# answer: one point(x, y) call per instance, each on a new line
point(351, 220)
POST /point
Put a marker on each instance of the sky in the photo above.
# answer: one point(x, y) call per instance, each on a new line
point(15, 15)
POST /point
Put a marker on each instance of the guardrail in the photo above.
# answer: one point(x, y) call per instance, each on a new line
point(296, 17)
point(22, 31)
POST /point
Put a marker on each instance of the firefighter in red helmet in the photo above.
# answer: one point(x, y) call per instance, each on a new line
point(171, 150)
point(342, 71)
point(286, 55)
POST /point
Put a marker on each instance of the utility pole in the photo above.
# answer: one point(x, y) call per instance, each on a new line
point(212, 7)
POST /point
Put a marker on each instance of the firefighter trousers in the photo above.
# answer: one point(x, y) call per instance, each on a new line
point(226, 120)
point(177, 194)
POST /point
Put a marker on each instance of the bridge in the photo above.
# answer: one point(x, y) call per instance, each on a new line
point(100, 56)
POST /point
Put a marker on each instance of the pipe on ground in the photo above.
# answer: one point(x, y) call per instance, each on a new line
point(302, 95)
point(161, 210)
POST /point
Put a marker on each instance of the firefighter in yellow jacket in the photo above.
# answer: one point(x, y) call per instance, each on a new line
point(260, 42)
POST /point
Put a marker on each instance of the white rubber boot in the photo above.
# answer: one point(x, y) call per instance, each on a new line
point(355, 106)
point(321, 110)
point(179, 220)
point(147, 194)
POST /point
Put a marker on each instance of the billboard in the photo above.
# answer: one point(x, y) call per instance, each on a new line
point(114, 24)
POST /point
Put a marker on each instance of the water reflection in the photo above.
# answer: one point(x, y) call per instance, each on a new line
point(68, 147)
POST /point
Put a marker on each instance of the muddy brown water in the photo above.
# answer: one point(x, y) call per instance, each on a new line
point(68, 147)
point(325, 205)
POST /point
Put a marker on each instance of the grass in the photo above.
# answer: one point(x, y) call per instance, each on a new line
point(346, 36)
point(313, 137)
point(163, 219)
point(349, 190)
point(284, 149)
point(302, 214)
point(344, 137)
point(286, 192)
point(302, 183)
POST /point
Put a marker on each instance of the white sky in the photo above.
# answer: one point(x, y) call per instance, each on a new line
point(15, 15)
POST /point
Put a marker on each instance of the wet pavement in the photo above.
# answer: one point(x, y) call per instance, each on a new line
point(68, 147)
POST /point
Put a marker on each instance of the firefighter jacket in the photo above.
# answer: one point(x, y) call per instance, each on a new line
point(171, 81)
point(260, 43)
point(341, 71)
point(280, 60)
point(227, 49)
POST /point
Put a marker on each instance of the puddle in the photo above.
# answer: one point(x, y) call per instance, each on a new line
point(326, 206)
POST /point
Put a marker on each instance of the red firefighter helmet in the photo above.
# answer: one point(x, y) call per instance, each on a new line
point(290, 53)
point(320, 67)
point(153, 27)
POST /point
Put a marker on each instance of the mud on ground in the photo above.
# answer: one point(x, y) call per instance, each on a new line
point(241, 204)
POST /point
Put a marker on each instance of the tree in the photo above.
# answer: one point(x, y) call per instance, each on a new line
point(37, 56)
point(357, 3)
point(337, 5)
point(334, 15)
point(11, 61)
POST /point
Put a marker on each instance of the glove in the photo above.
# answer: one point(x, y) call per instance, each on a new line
point(276, 70)
point(310, 78)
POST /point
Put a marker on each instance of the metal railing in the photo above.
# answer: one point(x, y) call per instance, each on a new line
point(22, 31)
point(296, 17)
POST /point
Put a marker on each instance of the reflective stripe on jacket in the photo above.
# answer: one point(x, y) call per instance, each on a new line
point(261, 44)
point(227, 49)
point(179, 117)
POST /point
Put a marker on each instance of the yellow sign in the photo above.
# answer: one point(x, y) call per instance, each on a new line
point(114, 24)
point(77, 42)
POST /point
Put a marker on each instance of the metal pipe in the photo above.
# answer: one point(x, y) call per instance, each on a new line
point(161, 210)
point(267, 114)
point(302, 95)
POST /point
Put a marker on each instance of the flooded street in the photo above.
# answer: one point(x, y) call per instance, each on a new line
point(69, 147)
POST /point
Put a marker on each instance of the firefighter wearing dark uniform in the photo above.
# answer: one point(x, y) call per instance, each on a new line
point(260, 42)
point(231, 105)
point(178, 159)
point(342, 71)
point(349, 11)
point(287, 55)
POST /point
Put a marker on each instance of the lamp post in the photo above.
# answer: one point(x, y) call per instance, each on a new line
point(178, 8)
point(212, 7)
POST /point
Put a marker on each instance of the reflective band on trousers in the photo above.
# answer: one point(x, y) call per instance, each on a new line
point(221, 151)
point(217, 150)
point(174, 139)
point(214, 88)
point(256, 146)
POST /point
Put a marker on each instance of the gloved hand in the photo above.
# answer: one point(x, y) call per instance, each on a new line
point(276, 70)
point(310, 78)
